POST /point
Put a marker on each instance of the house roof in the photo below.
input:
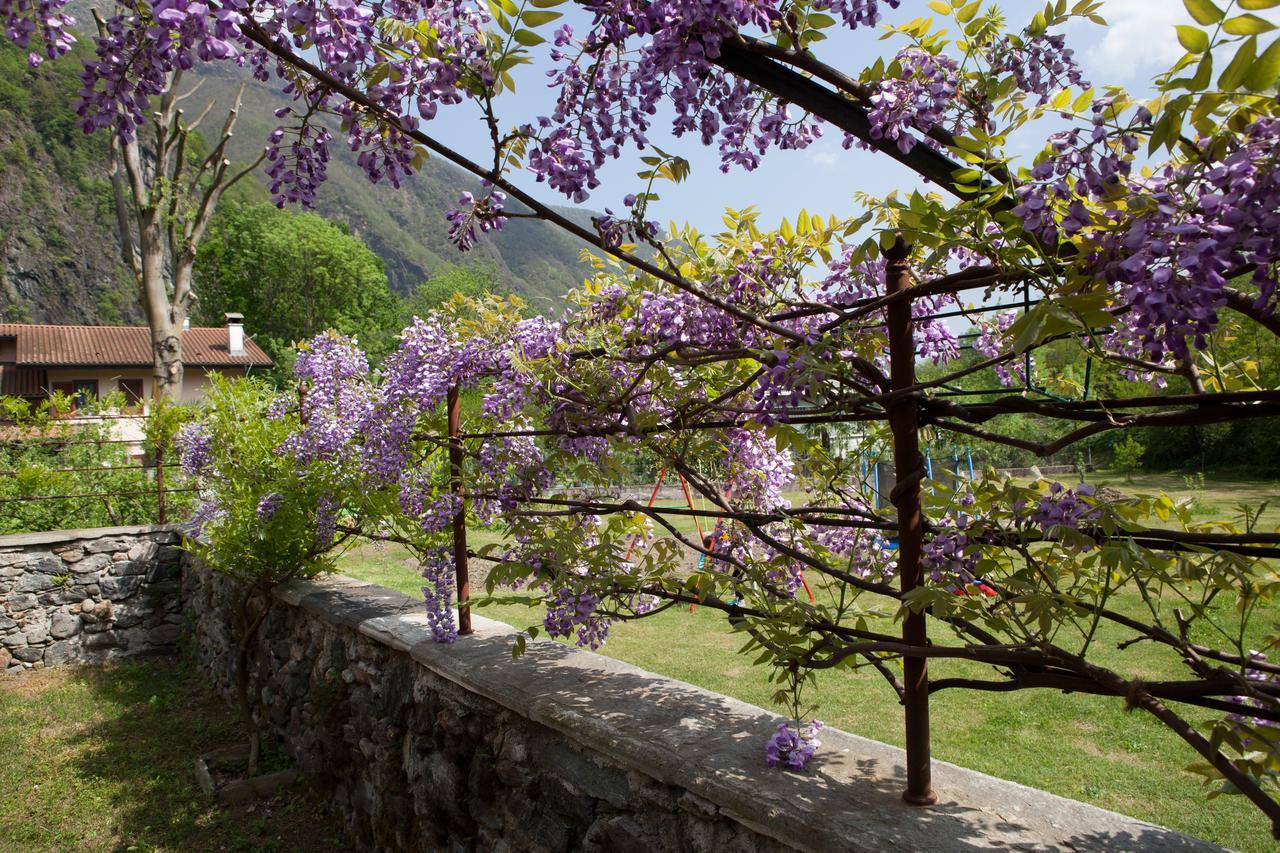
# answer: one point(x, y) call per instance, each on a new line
point(18, 381)
point(122, 346)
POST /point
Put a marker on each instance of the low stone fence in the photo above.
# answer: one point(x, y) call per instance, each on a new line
point(88, 595)
point(460, 747)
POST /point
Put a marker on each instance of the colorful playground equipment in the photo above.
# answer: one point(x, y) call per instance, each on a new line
point(875, 477)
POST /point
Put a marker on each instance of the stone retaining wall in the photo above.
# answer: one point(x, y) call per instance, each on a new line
point(88, 595)
point(459, 747)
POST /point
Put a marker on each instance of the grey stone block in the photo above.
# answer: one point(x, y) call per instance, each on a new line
point(58, 596)
point(105, 640)
point(34, 582)
point(29, 655)
point(6, 623)
point(18, 602)
point(129, 567)
point(60, 652)
point(159, 571)
point(107, 544)
point(63, 624)
point(142, 551)
point(164, 635)
point(45, 564)
point(118, 588)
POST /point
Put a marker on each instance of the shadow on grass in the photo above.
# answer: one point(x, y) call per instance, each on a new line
point(126, 737)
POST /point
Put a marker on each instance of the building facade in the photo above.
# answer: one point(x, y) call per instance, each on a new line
point(89, 362)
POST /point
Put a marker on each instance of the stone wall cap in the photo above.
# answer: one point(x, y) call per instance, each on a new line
point(713, 745)
point(54, 537)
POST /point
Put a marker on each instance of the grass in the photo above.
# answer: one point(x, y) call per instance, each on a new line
point(102, 759)
point(1086, 748)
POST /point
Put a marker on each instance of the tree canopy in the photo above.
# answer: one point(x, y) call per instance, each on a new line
point(293, 275)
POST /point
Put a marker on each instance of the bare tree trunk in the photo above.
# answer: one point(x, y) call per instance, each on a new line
point(164, 317)
point(164, 200)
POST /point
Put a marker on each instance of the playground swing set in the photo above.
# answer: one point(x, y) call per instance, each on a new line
point(870, 483)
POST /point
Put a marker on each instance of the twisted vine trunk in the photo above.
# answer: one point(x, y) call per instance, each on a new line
point(248, 630)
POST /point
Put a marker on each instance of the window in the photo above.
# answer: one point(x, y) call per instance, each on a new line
point(86, 391)
point(133, 393)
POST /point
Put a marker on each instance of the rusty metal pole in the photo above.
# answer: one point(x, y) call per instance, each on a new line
point(160, 508)
point(909, 469)
point(459, 520)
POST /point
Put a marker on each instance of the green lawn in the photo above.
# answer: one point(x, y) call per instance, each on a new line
point(98, 759)
point(1087, 748)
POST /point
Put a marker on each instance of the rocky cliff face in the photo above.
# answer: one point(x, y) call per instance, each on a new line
point(58, 246)
point(59, 255)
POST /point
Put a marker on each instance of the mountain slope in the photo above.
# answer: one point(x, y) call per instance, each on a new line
point(406, 227)
point(59, 253)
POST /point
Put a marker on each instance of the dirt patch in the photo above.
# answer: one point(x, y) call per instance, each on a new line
point(35, 682)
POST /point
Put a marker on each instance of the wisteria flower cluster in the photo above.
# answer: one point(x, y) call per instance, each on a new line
point(437, 571)
point(791, 747)
point(992, 342)
point(193, 442)
point(1066, 507)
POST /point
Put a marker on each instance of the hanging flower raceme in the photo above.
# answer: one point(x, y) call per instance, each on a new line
point(992, 341)
point(438, 571)
point(918, 99)
point(1066, 507)
point(194, 442)
point(1170, 249)
point(759, 472)
point(335, 400)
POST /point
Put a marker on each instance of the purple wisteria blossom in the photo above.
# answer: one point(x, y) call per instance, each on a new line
point(758, 470)
point(438, 571)
point(268, 505)
point(1262, 677)
point(791, 747)
point(485, 214)
point(326, 520)
point(338, 398)
point(992, 341)
point(919, 99)
point(1066, 507)
point(574, 613)
point(194, 444)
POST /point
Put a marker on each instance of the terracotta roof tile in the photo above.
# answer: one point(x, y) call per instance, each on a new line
point(18, 381)
point(123, 346)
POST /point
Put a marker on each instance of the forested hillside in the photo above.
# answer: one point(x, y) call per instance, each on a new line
point(406, 227)
point(59, 256)
point(58, 247)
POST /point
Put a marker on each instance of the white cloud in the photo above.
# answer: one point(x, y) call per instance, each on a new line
point(1139, 41)
point(824, 153)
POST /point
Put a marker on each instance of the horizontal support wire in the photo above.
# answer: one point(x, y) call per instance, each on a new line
point(13, 472)
point(25, 498)
point(21, 442)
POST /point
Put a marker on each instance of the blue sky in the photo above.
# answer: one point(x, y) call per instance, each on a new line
point(1138, 43)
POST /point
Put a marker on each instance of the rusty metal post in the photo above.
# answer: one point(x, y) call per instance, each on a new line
point(160, 508)
point(909, 469)
point(459, 520)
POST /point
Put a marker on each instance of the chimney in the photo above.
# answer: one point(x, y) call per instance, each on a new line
point(186, 324)
point(235, 333)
